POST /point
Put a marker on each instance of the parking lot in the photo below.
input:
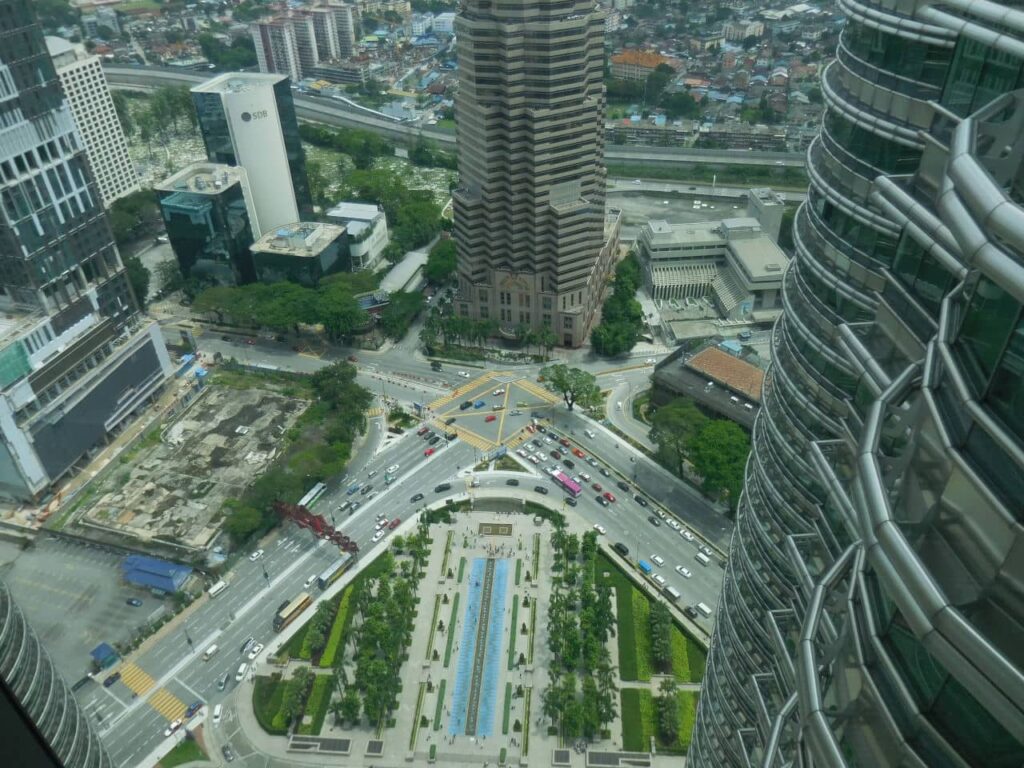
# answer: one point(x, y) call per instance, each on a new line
point(73, 597)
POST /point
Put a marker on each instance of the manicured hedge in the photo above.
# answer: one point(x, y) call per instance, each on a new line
point(317, 704)
point(680, 656)
point(642, 635)
point(637, 719)
point(339, 629)
point(267, 695)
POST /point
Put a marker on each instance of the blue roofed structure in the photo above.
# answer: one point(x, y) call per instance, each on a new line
point(102, 655)
point(154, 573)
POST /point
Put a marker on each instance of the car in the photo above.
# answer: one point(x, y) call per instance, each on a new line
point(256, 555)
point(623, 486)
point(605, 472)
point(435, 366)
point(706, 550)
point(255, 651)
point(610, 496)
point(536, 443)
point(597, 487)
point(511, 481)
point(394, 523)
point(249, 642)
point(563, 450)
point(548, 441)
point(497, 392)
point(222, 681)
point(591, 461)
point(250, 342)
point(521, 453)
point(175, 725)
point(564, 441)
point(535, 458)
point(690, 611)
point(659, 580)
point(555, 455)
point(684, 572)
point(379, 535)
point(600, 529)
point(541, 489)
point(392, 469)
point(134, 602)
point(442, 487)
point(354, 507)
point(515, 412)
point(111, 679)
point(585, 477)
point(449, 421)
point(541, 429)
point(686, 534)
point(578, 453)
point(428, 452)
point(366, 489)
point(463, 374)
point(569, 463)
point(416, 497)
point(601, 500)
point(498, 407)
point(194, 707)
point(654, 521)
point(570, 501)
point(636, 181)
point(382, 521)
point(310, 582)
point(640, 500)
point(479, 404)
point(490, 417)
point(658, 560)
point(466, 404)
point(228, 754)
point(650, 361)
point(434, 440)
point(621, 548)
point(673, 524)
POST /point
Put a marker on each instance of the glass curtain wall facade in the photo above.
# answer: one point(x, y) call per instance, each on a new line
point(873, 606)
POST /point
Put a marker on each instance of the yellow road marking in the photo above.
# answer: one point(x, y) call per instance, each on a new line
point(167, 704)
point(137, 679)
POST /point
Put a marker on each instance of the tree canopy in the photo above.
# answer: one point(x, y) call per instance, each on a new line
point(677, 426)
point(621, 315)
point(441, 262)
point(576, 386)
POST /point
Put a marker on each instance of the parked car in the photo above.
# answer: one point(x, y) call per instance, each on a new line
point(623, 485)
point(600, 529)
point(654, 521)
point(511, 481)
point(228, 754)
point(134, 602)
point(172, 727)
point(450, 420)
point(540, 489)
point(194, 707)
point(394, 523)
point(428, 452)
point(490, 417)
point(479, 404)
point(111, 679)
point(255, 651)
point(256, 555)
point(640, 500)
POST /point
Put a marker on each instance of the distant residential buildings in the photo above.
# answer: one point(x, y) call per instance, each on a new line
point(297, 42)
point(637, 65)
point(248, 119)
point(444, 24)
point(367, 228)
point(277, 48)
point(421, 23)
point(94, 24)
point(88, 94)
point(741, 29)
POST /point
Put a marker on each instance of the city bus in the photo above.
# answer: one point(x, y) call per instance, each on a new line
point(310, 498)
point(290, 612)
point(333, 573)
point(567, 483)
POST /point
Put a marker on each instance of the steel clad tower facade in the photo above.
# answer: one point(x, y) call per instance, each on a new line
point(534, 245)
point(873, 608)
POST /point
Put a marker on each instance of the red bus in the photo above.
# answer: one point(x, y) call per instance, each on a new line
point(568, 484)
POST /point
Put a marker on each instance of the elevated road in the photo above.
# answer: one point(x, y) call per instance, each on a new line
point(338, 113)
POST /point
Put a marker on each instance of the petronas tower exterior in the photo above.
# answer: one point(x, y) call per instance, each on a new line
point(534, 244)
point(873, 608)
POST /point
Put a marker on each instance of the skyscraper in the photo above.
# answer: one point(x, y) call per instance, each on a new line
point(872, 611)
point(248, 119)
point(533, 249)
point(277, 47)
point(77, 359)
point(88, 95)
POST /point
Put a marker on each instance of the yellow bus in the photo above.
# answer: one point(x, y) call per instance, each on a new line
point(290, 612)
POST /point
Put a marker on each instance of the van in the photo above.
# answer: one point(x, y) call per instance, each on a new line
point(240, 674)
point(217, 588)
point(589, 433)
point(672, 594)
point(704, 610)
point(645, 566)
point(210, 652)
point(216, 714)
point(703, 559)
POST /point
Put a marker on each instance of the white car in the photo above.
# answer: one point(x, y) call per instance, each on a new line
point(256, 555)
point(636, 181)
point(657, 560)
point(381, 523)
point(659, 580)
point(686, 534)
point(497, 392)
point(585, 476)
point(535, 459)
point(684, 572)
point(310, 581)
point(548, 440)
point(673, 524)
point(392, 469)
point(175, 725)
point(650, 361)
point(520, 452)
point(463, 374)
point(600, 529)
point(379, 535)
point(255, 651)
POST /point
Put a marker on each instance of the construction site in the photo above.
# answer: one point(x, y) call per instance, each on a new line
point(171, 485)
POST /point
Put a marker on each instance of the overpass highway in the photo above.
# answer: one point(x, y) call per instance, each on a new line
point(332, 112)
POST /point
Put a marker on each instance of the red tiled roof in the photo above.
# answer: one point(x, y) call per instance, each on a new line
point(723, 368)
point(640, 59)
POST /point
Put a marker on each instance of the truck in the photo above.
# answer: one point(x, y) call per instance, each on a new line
point(645, 566)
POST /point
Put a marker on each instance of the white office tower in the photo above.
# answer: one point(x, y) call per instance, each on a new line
point(248, 119)
point(87, 92)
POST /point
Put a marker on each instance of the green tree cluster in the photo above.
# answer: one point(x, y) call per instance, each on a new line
point(134, 216)
point(717, 448)
point(651, 93)
point(414, 217)
point(320, 627)
point(667, 707)
point(297, 691)
point(250, 10)
point(169, 113)
point(425, 153)
point(581, 695)
point(621, 316)
point(440, 267)
point(362, 146)
point(576, 386)
point(55, 13)
point(661, 636)
point(446, 331)
point(241, 54)
point(400, 312)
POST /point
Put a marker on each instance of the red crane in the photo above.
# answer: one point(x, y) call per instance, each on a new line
point(303, 518)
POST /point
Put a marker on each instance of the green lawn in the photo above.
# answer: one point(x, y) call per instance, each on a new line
point(637, 719)
point(316, 705)
point(508, 708)
point(514, 633)
point(642, 634)
point(439, 708)
point(187, 751)
point(267, 694)
point(450, 629)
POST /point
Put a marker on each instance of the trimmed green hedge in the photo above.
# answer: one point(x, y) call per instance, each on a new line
point(440, 704)
point(339, 629)
point(294, 646)
point(637, 707)
point(451, 630)
point(508, 708)
point(267, 695)
point(316, 705)
point(642, 634)
point(514, 633)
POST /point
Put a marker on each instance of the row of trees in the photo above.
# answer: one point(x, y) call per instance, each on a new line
point(362, 146)
point(622, 318)
point(444, 331)
point(425, 153)
point(651, 94)
point(716, 448)
point(581, 694)
point(441, 262)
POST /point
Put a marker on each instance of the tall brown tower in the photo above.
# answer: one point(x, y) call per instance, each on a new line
point(530, 227)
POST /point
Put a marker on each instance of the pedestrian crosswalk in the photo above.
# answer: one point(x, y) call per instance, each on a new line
point(477, 441)
point(137, 679)
point(167, 704)
point(537, 390)
point(375, 411)
point(140, 683)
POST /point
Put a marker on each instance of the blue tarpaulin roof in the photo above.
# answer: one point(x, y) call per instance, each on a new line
point(102, 652)
point(154, 573)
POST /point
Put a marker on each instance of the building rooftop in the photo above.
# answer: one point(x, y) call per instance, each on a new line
point(642, 59)
point(64, 52)
point(760, 257)
point(238, 82)
point(355, 212)
point(304, 238)
point(729, 371)
point(696, 233)
point(766, 196)
point(203, 178)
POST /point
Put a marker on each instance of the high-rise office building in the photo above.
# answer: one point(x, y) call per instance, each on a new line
point(248, 119)
point(210, 222)
point(39, 717)
point(533, 248)
point(77, 359)
point(872, 611)
point(88, 94)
